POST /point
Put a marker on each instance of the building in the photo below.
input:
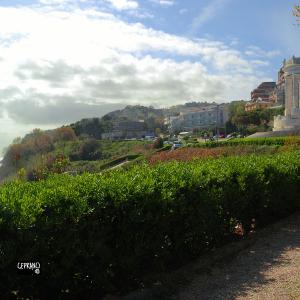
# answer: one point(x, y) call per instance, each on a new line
point(262, 97)
point(291, 119)
point(126, 130)
point(278, 95)
point(215, 115)
point(267, 94)
point(258, 104)
point(263, 91)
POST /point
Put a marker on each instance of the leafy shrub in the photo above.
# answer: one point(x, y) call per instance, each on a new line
point(89, 150)
point(48, 164)
point(158, 143)
point(65, 133)
point(280, 141)
point(100, 233)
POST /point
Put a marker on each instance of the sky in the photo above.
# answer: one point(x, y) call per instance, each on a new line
point(64, 60)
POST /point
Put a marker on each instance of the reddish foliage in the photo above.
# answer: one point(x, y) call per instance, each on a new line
point(239, 230)
point(188, 154)
point(64, 134)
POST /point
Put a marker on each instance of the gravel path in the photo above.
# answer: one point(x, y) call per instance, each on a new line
point(269, 269)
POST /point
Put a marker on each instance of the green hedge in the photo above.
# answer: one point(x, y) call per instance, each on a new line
point(119, 160)
point(101, 233)
point(164, 148)
point(280, 141)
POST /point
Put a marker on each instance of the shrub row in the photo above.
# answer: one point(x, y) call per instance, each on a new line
point(119, 160)
point(270, 141)
point(100, 233)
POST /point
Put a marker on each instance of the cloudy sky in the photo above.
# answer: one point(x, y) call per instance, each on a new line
point(63, 60)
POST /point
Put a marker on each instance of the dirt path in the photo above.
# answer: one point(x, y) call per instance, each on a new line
point(269, 269)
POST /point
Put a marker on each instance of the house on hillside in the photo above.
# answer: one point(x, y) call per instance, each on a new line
point(126, 130)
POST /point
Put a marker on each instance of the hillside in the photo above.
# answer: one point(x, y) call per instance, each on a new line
point(77, 145)
point(95, 127)
point(153, 118)
point(87, 145)
point(41, 153)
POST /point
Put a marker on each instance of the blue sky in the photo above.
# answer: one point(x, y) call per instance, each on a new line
point(63, 60)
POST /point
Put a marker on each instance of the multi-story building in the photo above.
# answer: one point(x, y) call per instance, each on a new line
point(268, 94)
point(126, 130)
point(278, 95)
point(216, 115)
point(258, 104)
point(263, 91)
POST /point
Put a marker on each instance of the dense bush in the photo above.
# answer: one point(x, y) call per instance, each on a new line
point(101, 233)
point(158, 143)
point(279, 141)
point(88, 150)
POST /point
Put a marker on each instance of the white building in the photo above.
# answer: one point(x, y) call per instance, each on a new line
point(196, 119)
point(291, 119)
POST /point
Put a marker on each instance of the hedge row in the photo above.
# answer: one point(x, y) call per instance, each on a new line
point(119, 160)
point(134, 158)
point(100, 233)
point(270, 141)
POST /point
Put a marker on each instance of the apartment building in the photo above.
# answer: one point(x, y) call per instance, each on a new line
point(216, 115)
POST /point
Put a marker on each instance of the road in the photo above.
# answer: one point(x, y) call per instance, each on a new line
point(269, 269)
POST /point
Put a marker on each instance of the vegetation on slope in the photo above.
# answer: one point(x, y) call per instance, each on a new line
point(252, 121)
point(39, 153)
point(99, 233)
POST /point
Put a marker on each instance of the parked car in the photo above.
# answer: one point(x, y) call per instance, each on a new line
point(232, 135)
point(176, 146)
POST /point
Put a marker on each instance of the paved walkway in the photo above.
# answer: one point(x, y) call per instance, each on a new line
point(269, 269)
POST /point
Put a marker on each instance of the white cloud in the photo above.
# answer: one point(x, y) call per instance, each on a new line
point(208, 12)
point(63, 3)
point(124, 4)
point(183, 11)
point(258, 52)
point(164, 2)
point(260, 63)
point(53, 61)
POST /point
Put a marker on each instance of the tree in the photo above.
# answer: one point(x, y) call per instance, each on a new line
point(296, 13)
point(157, 131)
point(65, 134)
point(15, 152)
point(90, 150)
point(158, 143)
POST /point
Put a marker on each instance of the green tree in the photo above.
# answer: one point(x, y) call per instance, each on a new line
point(90, 150)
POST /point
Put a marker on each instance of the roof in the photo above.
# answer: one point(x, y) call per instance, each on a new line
point(292, 61)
